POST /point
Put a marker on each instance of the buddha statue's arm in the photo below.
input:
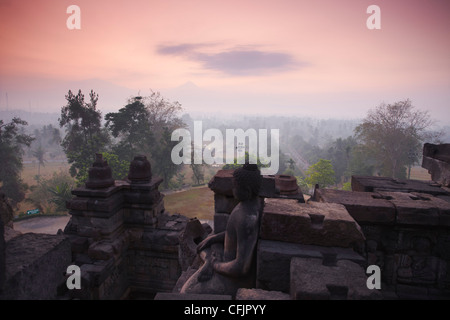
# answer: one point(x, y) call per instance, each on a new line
point(214, 238)
point(240, 266)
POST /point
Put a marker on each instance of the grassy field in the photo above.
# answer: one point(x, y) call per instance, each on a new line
point(29, 172)
point(419, 173)
point(196, 202)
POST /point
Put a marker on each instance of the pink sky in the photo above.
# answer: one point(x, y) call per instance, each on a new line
point(297, 57)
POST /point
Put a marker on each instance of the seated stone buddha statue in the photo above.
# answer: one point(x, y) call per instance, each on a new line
point(228, 256)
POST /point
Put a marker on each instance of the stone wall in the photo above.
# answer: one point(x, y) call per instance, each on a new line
point(303, 246)
point(121, 236)
point(35, 266)
point(436, 158)
point(407, 233)
point(32, 266)
point(321, 249)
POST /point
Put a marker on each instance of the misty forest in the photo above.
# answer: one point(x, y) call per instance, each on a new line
point(45, 156)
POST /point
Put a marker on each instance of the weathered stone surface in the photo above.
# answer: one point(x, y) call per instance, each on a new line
point(386, 184)
point(268, 187)
point(189, 239)
point(224, 204)
point(107, 249)
point(35, 266)
point(222, 183)
point(326, 224)
point(102, 280)
point(175, 222)
point(259, 294)
point(185, 275)
point(220, 222)
point(132, 244)
point(390, 207)
point(100, 174)
point(83, 192)
point(415, 208)
point(190, 296)
point(411, 292)
point(312, 280)
point(141, 217)
point(364, 207)
point(446, 198)
point(443, 246)
point(103, 226)
point(140, 170)
point(437, 151)
point(274, 258)
point(440, 170)
point(146, 197)
point(79, 244)
point(286, 184)
point(115, 285)
point(95, 206)
point(436, 158)
point(153, 268)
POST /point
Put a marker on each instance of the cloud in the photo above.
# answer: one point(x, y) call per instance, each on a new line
point(179, 49)
point(240, 61)
point(246, 62)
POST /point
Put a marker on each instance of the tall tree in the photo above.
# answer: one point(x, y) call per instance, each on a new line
point(144, 126)
point(12, 141)
point(39, 154)
point(131, 125)
point(361, 163)
point(84, 133)
point(165, 167)
point(320, 173)
point(393, 134)
point(163, 120)
point(198, 170)
point(340, 152)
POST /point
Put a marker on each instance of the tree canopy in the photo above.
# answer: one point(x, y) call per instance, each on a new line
point(131, 125)
point(320, 173)
point(84, 134)
point(393, 134)
point(12, 140)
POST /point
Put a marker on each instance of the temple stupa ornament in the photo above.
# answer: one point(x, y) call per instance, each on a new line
point(100, 174)
point(140, 170)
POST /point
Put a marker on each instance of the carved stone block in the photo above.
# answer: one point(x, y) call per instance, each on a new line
point(326, 224)
point(274, 258)
point(312, 280)
point(364, 207)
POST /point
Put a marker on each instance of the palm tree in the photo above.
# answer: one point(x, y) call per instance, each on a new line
point(39, 154)
point(61, 194)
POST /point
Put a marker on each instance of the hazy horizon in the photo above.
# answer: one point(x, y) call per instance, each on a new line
point(302, 58)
